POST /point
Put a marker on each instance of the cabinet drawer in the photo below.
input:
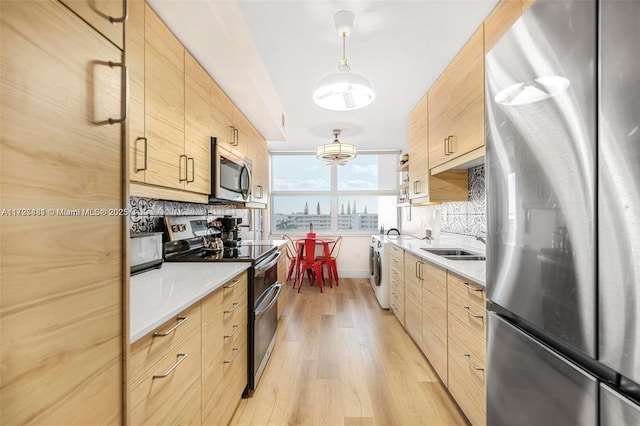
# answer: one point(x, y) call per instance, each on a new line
point(235, 337)
point(469, 314)
point(435, 281)
point(175, 398)
point(235, 290)
point(149, 349)
point(472, 341)
point(473, 293)
point(466, 384)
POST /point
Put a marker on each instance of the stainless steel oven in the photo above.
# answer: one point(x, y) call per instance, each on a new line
point(266, 290)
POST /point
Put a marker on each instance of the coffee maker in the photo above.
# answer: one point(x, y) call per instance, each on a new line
point(230, 230)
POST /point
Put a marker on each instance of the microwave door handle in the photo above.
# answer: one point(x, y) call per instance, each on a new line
point(276, 288)
point(245, 193)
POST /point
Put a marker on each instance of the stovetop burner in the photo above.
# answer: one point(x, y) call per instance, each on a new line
point(240, 253)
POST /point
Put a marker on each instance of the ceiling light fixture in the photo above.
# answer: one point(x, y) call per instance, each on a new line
point(344, 90)
point(336, 152)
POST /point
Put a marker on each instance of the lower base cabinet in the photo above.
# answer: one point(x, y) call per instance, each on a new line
point(168, 391)
point(192, 370)
point(450, 313)
point(467, 347)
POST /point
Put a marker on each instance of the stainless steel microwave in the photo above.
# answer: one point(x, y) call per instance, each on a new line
point(230, 175)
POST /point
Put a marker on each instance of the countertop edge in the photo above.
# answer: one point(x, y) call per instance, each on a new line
point(455, 266)
point(186, 303)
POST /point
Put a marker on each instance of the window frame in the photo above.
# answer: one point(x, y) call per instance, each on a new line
point(334, 193)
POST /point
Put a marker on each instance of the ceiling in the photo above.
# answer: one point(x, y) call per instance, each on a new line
point(268, 55)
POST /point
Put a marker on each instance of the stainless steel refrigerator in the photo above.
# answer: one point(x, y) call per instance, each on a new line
point(563, 207)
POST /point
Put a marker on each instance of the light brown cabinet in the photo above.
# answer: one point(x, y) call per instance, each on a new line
point(106, 16)
point(282, 279)
point(413, 279)
point(164, 105)
point(419, 151)
point(434, 318)
point(234, 350)
point(467, 342)
point(224, 350)
point(61, 343)
point(501, 18)
point(396, 277)
point(456, 105)
point(197, 126)
point(165, 372)
point(222, 115)
point(423, 187)
point(259, 154)
point(170, 114)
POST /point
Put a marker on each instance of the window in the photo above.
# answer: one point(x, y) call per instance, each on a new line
point(355, 198)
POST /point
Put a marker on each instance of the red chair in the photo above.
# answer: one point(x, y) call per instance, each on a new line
point(330, 260)
point(310, 265)
point(292, 255)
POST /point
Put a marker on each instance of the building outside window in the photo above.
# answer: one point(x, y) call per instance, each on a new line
point(356, 198)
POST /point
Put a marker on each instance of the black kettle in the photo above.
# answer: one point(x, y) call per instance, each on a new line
point(393, 229)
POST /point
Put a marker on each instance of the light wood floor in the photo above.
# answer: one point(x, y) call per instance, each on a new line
point(341, 360)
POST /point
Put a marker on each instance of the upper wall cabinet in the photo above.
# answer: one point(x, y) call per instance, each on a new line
point(222, 115)
point(164, 105)
point(450, 185)
point(419, 151)
point(175, 109)
point(170, 113)
point(106, 16)
point(197, 126)
point(456, 105)
point(505, 14)
point(259, 154)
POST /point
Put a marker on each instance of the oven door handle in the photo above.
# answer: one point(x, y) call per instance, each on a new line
point(262, 268)
point(275, 288)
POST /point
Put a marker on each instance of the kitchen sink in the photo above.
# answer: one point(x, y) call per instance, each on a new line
point(450, 252)
point(455, 254)
point(465, 257)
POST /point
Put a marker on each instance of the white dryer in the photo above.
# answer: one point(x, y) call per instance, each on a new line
point(379, 264)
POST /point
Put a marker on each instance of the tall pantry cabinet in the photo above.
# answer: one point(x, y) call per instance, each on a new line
point(62, 224)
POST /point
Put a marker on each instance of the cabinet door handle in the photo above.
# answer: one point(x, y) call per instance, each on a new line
point(237, 135)
point(233, 333)
point(146, 153)
point(124, 93)
point(236, 351)
point(466, 308)
point(125, 14)
point(181, 357)
point(233, 308)
point(232, 285)
point(449, 141)
point(467, 358)
point(181, 320)
point(468, 286)
point(193, 169)
point(180, 168)
point(444, 145)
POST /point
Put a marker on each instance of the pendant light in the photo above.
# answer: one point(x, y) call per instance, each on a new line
point(344, 90)
point(336, 151)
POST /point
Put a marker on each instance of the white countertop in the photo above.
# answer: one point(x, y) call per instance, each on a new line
point(475, 270)
point(159, 295)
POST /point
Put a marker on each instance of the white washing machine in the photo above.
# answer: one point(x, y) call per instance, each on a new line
point(379, 268)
